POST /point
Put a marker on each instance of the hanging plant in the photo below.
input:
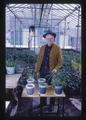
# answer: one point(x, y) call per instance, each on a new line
point(32, 28)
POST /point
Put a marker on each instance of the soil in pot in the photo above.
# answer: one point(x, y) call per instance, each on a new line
point(30, 81)
point(41, 80)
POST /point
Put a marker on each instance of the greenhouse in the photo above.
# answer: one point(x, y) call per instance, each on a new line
point(28, 29)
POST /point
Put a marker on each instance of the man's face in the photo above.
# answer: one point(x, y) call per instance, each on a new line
point(50, 39)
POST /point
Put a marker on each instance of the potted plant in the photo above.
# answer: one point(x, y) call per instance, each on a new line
point(10, 66)
point(57, 85)
point(42, 88)
point(30, 89)
point(41, 80)
point(19, 66)
point(30, 80)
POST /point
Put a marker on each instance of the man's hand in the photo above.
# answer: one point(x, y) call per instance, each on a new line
point(54, 71)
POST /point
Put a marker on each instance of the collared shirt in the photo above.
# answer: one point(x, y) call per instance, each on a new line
point(45, 63)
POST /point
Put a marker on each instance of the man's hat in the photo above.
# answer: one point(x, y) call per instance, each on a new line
point(49, 32)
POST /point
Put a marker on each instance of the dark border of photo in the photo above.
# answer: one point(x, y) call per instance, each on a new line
point(2, 55)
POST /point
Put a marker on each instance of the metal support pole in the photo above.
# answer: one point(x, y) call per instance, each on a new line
point(64, 34)
point(20, 35)
point(48, 14)
point(59, 34)
point(15, 33)
point(34, 29)
point(63, 107)
point(51, 19)
point(57, 37)
point(34, 42)
point(41, 15)
point(29, 40)
point(77, 31)
point(58, 108)
point(18, 32)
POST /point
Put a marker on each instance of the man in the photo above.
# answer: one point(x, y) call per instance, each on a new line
point(49, 61)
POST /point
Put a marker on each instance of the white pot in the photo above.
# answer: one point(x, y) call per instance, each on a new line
point(41, 80)
point(30, 81)
point(10, 70)
point(42, 88)
point(58, 89)
point(30, 89)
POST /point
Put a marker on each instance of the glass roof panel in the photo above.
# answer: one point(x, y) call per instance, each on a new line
point(58, 12)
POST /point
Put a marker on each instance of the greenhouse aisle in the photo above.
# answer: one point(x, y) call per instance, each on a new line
point(70, 108)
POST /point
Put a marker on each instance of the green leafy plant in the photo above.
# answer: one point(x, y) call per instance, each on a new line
point(10, 66)
point(25, 56)
point(56, 82)
point(10, 60)
point(75, 65)
point(43, 84)
point(10, 63)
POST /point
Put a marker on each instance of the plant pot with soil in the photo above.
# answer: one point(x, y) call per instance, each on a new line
point(10, 67)
point(41, 80)
point(19, 66)
point(31, 80)
point(42, 88)
point(30, 89)
point(57, 85)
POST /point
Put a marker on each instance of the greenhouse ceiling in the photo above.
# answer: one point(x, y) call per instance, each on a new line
point(44, 15)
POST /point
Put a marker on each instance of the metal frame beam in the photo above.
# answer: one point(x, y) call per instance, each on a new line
point(67, 15)
point(77, 32)
point(41, 14)
point(31, 11)
point(43, 19)
point(44, 11)
point(49, 13)
point(67, 11)
point(34, 25)
point(75, 14)
point(46, 8)
point(15, 15)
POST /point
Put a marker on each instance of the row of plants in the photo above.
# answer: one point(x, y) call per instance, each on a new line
point(71, 80)
point(42, 86)
point(75, 65)
point(70, 83)
point(71, 72)
point(27, 80)
point(68, 79)
point(27, 72)
point(25, 56)
point(20, 54)
point(68, 75)
point(19, 59)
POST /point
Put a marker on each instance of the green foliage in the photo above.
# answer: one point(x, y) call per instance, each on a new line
point(27, 72)
point(71, 71)
point(24, 57)
point(75, 65)
point(10, 61)
point(70, 77)
point(56, 82)
point(43, 84)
